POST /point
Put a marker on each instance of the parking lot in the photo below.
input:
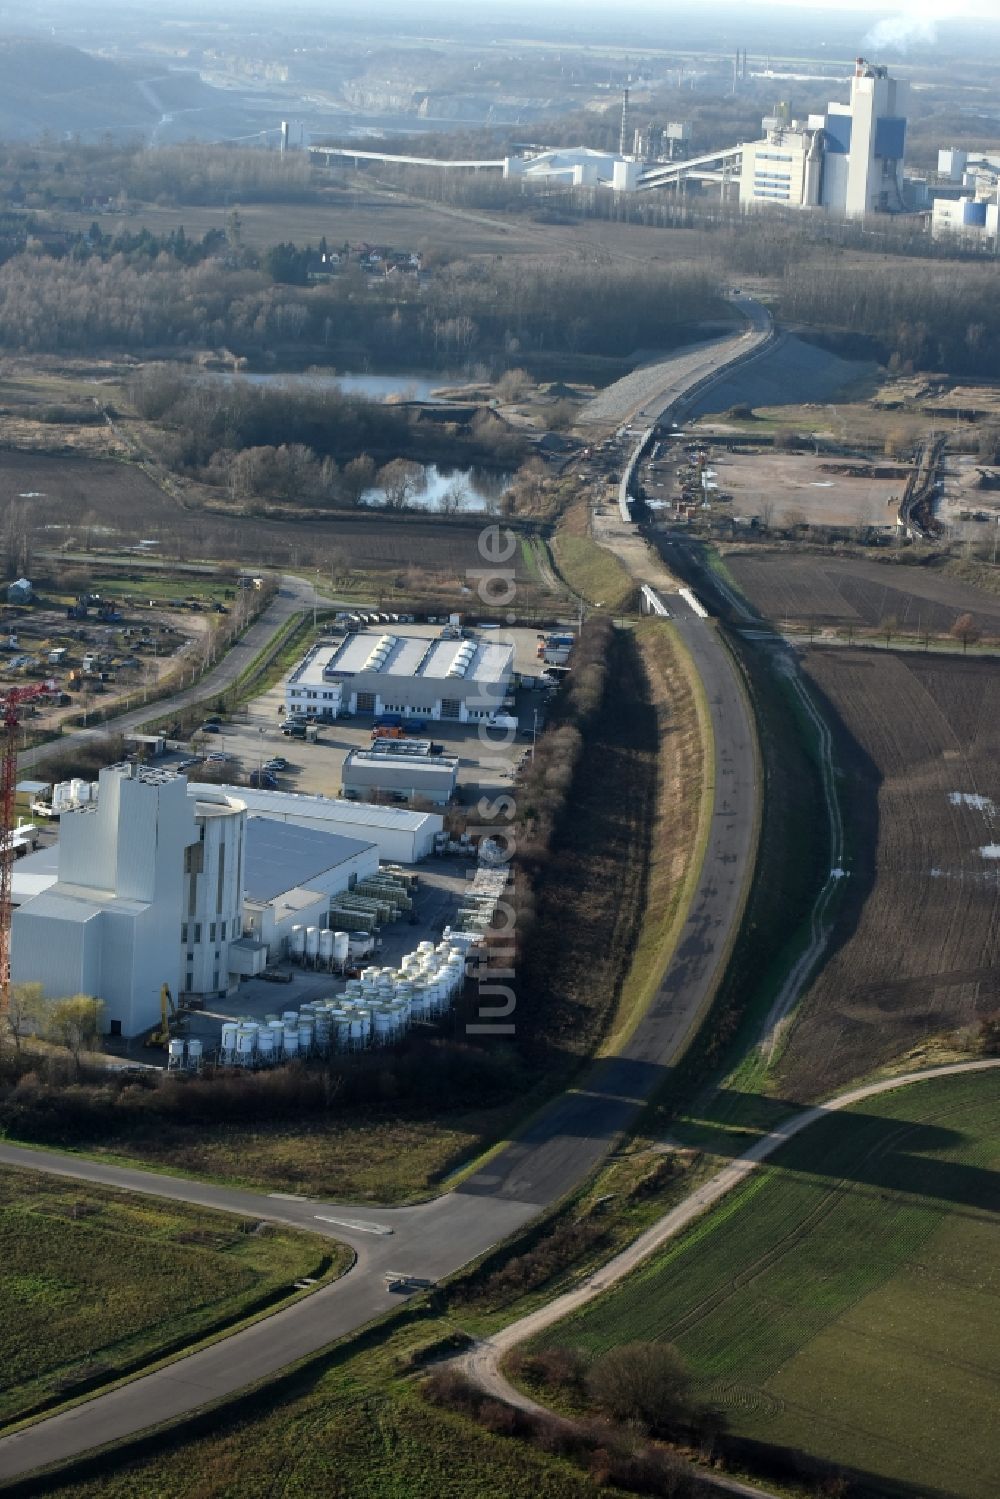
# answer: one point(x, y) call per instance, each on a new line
point(486, 760)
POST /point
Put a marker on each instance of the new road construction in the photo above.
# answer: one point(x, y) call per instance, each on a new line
point(560, 1146)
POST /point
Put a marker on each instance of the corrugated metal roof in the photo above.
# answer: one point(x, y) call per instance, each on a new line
point(333, 809)
point(281, 856)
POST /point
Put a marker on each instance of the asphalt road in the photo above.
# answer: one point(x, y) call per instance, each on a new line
point(558, 1148)
point(293, 596)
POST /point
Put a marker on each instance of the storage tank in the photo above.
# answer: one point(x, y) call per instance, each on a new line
point(246, 1044)
point(306, 1033)
point(326, 945)
point(266, 1050)
point(76, 786)
point(298, 943)
point(194, 1052)
point(290, 1017)
point(277, 1029)
point(382, 1025)
point(228, 1044)
point(341, 948)
point(290, 1041)
point(175, 1053)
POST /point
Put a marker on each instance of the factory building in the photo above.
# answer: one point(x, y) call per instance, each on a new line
point(291, 874)
point(161, 882)
point(110, 924)
point(848, 160)
point(462, 680)
point(400, 836)
point(966, 217)
point(404, 769)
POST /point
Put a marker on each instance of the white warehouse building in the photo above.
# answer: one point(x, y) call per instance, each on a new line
point(400, 836)
point(462, 680)
point(161, 882)
point(110, 924)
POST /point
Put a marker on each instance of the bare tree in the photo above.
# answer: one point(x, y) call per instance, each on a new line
point(642, 1382)
point(966, 630)
point(399, 481)
point(356, 477)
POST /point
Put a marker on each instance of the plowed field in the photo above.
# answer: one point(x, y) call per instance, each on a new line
point(917, 946)
point(845, 591)
point(76, 502)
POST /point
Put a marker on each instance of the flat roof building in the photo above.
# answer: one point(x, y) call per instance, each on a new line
point(291, 874)
point(432, 778)
point(461, 680)
point(400, 836)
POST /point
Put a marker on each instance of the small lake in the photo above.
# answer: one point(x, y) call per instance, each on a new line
point(373, 387)
point(477, 489)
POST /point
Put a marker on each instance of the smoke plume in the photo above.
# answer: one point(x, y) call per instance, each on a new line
point(914, 27)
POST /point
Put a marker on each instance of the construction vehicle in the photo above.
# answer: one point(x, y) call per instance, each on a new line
point(171, 1021)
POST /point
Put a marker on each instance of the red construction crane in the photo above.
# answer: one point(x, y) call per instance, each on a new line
point(10, 703)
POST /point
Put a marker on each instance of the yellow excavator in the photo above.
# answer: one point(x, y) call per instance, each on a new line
point(170, 1019)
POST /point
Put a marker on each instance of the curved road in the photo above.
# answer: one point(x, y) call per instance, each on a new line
point(482, 1363)
point(294, 596)
point(559, 1147)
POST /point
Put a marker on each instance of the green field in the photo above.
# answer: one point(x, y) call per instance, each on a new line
point(360, 1430)
point(592, 571)
point(97, 1283)
point(845, 1301)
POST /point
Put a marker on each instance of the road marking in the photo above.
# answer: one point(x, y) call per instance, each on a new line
point(356, 1224)
point(283, 1196)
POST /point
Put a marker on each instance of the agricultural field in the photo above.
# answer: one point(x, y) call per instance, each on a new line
point(98, 1284)
point(74, 505)
point(844, 593)
point(843, 1303)
point(916, 944)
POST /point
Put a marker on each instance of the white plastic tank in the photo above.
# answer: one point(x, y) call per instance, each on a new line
point(306, 1033)
point(175, 1053)
point(76, 786)
point(195, 1049)
point(246, 1044)
point(266, 1050)
point(326, 945)
point(277, 1030)
point(382, 1024)
point(290, 1041)
point(312, 943)
point(229, 1030)
point(290, 1017)
point(298, 942)
point(341, 948)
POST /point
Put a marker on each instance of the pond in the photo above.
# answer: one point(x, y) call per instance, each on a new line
point(459, 490)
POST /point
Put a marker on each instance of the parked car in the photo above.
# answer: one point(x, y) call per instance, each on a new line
point(294, 730)
point(211, 728)
point(263, 780)
point(277, 762)
point(219, 758)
